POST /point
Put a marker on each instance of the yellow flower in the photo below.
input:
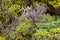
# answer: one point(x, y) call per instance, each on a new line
point(36, 3)
point(43, 33)
point(2, 38)
point(49, 35)
point(55, 30)
point(58, 30)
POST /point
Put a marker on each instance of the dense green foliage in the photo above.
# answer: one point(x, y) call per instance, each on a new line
point(17, 24)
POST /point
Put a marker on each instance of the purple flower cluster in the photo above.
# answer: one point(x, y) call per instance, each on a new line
point(33, 12)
